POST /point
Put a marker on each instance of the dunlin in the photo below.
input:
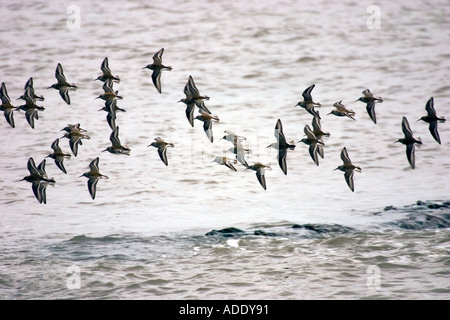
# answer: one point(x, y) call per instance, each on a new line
point(313, 142)
point(260, 173)
point(226, 162)
point(308, 104)
point(348, 168)
point(111, 108)
point(6, 106)
point(232, 137)
point(62, 85)
point(109, 93)
point(342, 111)
point(29, 84)
point(432, 119)
point(193, 98)
point(93, 176)
point(369, 99)
point(31, 108)
point(106, 72)
point(281, 145)
point(409, 141)
point(58, 155)
point(162, 146)
point(157, 67)
point(319, 133)
point(207, 123)
point(116, 147)
point(71, 127)
point(74, 134)
point(39, 180)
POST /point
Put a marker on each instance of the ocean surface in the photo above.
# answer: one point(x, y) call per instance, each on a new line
point(195, 229)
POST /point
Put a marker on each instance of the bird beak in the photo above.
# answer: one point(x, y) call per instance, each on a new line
point(144, 67)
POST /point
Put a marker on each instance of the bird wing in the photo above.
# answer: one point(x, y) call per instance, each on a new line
point(4, 94)
point(207, 126)
point(30, 115)
point(31, 165)
point(73, 143)
point(406, 128)
point(192, 87)
point(282, 153)
point(55, 146)
point(370, 107)
point(309, 134)
point(349, 178)
point(114, 137)
point(156, 78)
point(92, 186)
point(59, 74)
point(94, 164)
point(313, 152)
point(162, 151)
point(410, 154)
point(190, 113)
point(9, 117)
point(344, 156)
point(39, 191)
point(64, 93)
point(278, 132)
point(157, 57)
point(105, 67)
point(433, 130)
point(111, 120)
point(430, 107)
point(261, 177)
point(59, 164)
point(307, 93)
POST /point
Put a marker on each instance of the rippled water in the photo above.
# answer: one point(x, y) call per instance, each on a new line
point(148, 232)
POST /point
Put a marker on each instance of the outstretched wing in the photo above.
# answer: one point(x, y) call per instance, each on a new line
point(59, 74)
point(157, 58)
point(430, 107)
point(406, 128)
point(307, 93)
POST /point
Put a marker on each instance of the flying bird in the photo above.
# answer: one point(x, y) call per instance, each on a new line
point(207, 123)
point(409, 141)
point(157, 67)
point(93, 176)
point(313, 143)
point(62, 85)
point(281, 145)
point(308, 104)
point(38, 179)
point(106, 72)
point(162, 146)
point(58, 155)
point(348, 168)
point(369, 99)
point(116, 147)
point(260, 172)
point(6, 106)
point(432, 119)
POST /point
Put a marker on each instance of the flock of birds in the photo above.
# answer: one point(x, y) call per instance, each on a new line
point(75, 134)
